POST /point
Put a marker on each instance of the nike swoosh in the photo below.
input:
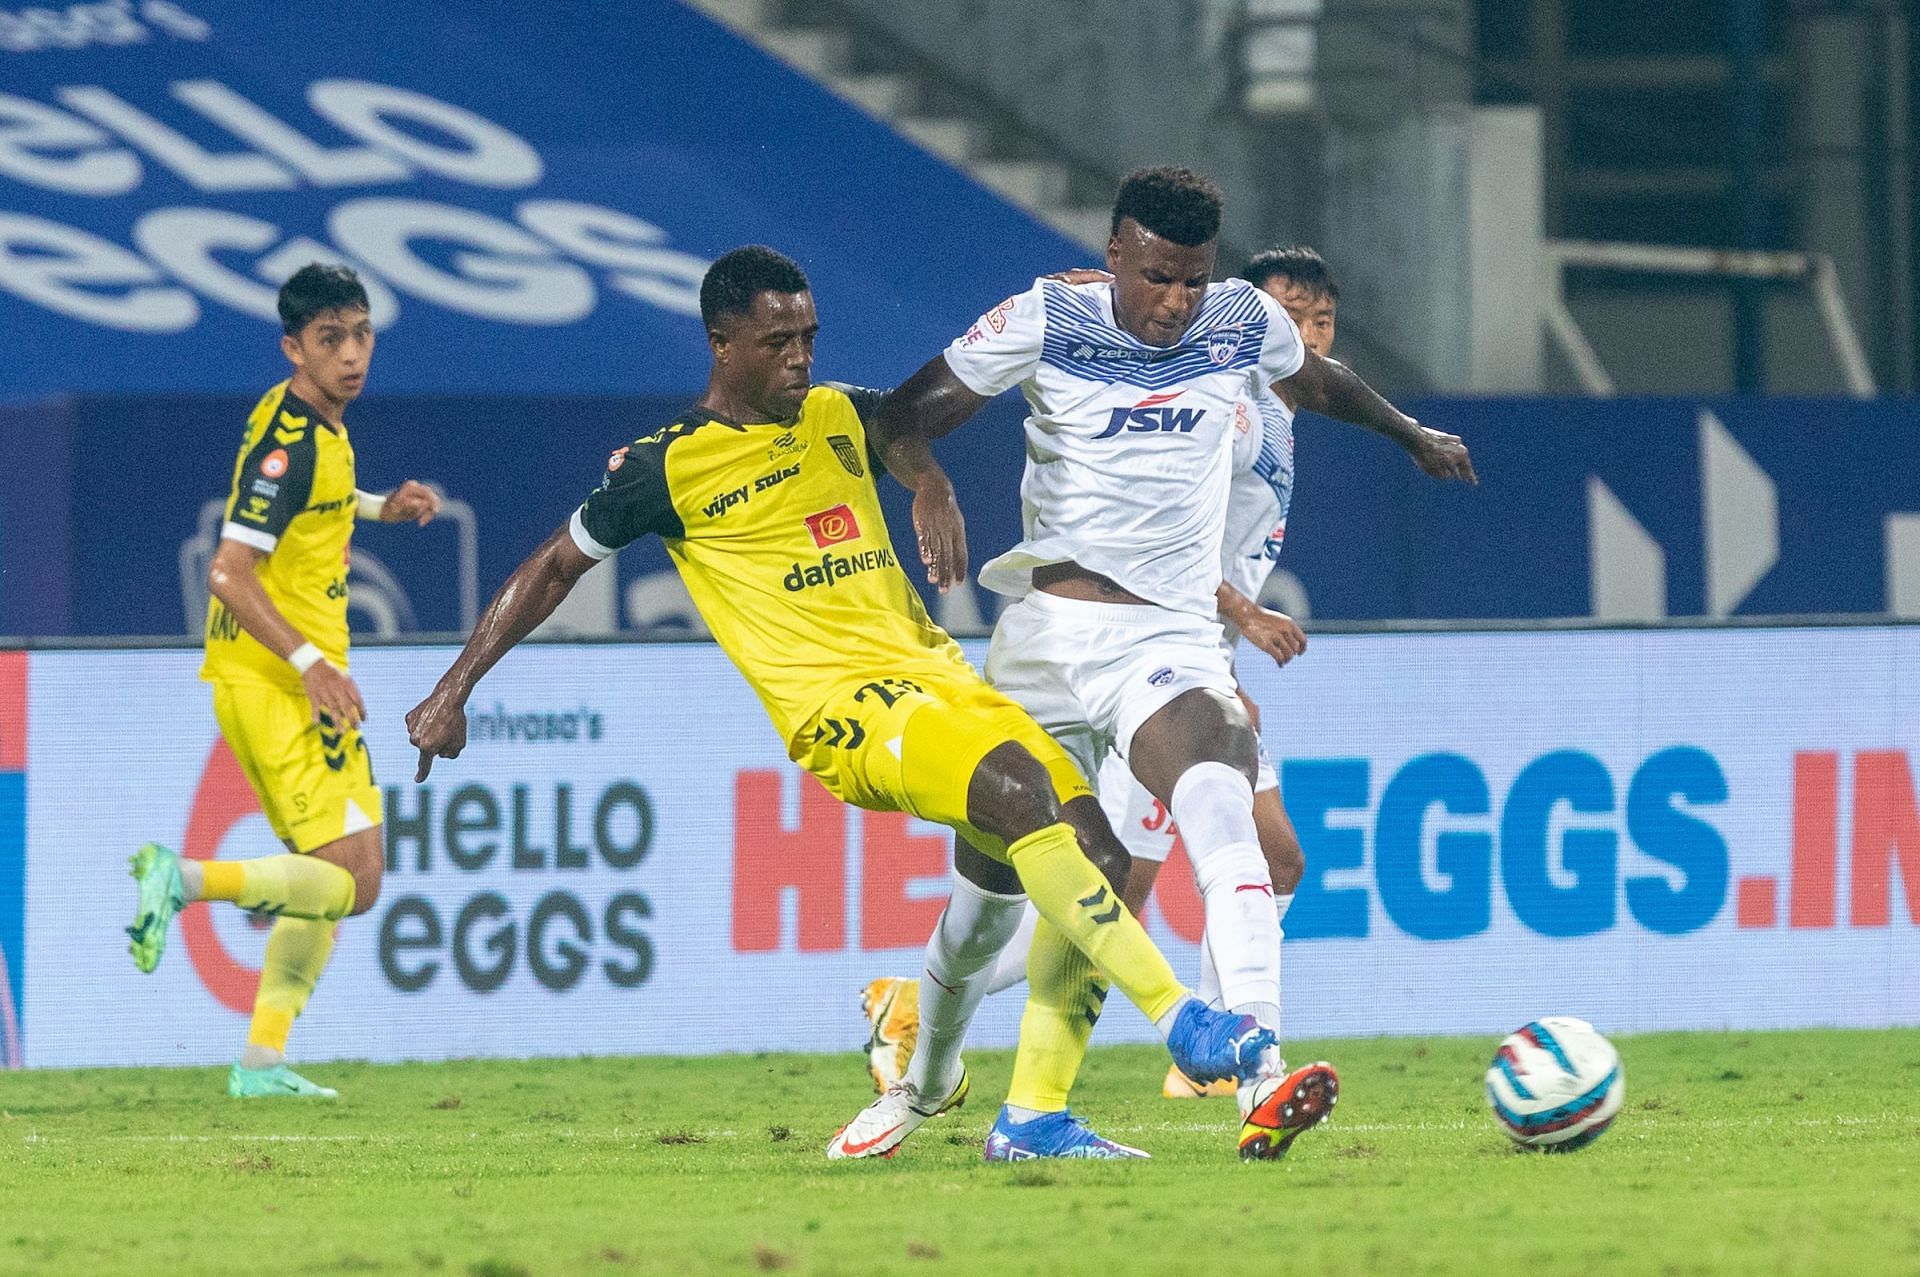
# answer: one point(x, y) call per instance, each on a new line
point(854, 1150)
point(1254, 886)
point(954, 989)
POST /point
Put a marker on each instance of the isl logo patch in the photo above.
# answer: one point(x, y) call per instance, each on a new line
point(831, 527)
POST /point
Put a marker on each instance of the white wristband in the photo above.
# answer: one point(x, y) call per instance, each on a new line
point(368, 504)
point(303, 658)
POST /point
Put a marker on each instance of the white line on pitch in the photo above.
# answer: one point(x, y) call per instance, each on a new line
point(563, 1134)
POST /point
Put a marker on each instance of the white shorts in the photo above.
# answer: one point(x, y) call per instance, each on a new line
point(1145, 828)
point(1092, 673)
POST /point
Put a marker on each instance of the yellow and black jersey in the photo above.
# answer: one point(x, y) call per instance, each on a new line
point(292, 497)
point(776, 529)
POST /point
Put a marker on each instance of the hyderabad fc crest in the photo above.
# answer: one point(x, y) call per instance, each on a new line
point(849, 455)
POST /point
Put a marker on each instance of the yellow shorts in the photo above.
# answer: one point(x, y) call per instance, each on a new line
point(911, 743)
point(315, 783)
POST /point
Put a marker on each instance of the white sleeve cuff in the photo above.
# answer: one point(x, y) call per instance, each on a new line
point(368, 505)
point(261, 541)
point(577, 529)
point(969, 376)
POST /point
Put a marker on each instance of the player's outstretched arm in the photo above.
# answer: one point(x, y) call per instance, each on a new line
point(437, 726)
point(1275, 633)
point(931, 403)
point(233, 578)
point(412, 500)
point(1332, 389)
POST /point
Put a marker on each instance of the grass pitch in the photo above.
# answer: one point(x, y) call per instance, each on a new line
point(1735, 1153)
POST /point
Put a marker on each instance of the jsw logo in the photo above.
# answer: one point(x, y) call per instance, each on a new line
point(1151, 416)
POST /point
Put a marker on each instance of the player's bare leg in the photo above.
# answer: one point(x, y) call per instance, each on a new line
point(1198, 755)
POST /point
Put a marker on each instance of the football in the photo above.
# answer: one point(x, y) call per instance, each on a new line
point(1556, 1084)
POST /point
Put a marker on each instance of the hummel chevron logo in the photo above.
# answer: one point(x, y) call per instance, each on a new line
point(1097, 899)
point(848, 734)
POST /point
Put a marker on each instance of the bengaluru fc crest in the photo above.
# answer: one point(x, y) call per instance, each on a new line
point(1223, 342)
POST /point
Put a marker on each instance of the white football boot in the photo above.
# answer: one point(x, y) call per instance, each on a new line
point(883, 1125)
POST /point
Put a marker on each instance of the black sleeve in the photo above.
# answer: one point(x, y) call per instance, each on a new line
point(866, 406)
point(633, 498)
point(275, 479)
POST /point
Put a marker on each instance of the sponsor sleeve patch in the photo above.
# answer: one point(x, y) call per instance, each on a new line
point(275, 482)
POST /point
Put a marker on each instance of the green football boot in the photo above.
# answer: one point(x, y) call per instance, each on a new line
point(162, 895)
point(253, 1084)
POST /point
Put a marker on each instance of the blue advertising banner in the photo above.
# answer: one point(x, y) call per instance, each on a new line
point(532, 193)
point(1623, 509)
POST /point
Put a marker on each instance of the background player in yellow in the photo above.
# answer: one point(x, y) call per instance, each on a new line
point(764, 494)
point(276, 655)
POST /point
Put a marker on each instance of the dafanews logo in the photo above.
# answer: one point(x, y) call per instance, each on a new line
point(835, 568)
point(831, 527)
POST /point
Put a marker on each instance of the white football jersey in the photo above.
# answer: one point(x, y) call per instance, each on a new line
point(1258, 497)
point(1129, 452)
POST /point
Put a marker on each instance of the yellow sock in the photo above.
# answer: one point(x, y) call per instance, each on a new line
point(1072, 895)
point(287, 886)
point(297, 952)
point(1064, 997)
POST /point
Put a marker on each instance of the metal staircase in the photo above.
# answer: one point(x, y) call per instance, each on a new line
point(923, 106)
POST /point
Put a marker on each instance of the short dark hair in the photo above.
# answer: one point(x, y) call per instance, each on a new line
point(738, 277)
point(1174, 203)
point(317, 288)
point(1296, 262)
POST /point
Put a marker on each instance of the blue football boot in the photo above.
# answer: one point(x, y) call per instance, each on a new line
point(1209, 1045)
point(1050, 1135)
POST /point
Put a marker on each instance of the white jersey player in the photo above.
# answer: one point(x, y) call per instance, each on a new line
point(1257, 506)
point(1259, 495)
point(1114, 642)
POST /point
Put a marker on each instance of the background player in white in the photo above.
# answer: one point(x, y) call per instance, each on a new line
point(1260, 493)
point(1113, 641)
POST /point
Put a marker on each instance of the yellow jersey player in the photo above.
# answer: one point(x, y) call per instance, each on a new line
point(276, 655)
point(765, 496)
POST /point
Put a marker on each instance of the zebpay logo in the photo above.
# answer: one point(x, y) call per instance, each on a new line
point(1087, 350)
point(1151, 416)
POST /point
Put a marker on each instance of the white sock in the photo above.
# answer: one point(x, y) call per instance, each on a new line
point(1165, 1022)
point(1280, 906)
point(974, 927)
point(1011, 968)
point(193, 878)
point(1208, 990)
point(1271, 1063)
point(1213, 805)
point(260, 1057)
